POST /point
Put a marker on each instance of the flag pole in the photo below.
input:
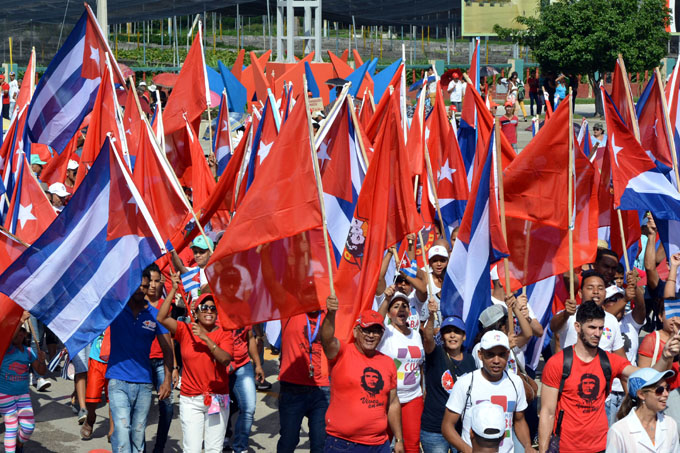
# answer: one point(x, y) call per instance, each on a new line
point(636, 132)
point(210, 131)
point(244, 164)
point(501, 201)
point(350, 106)
point(570, 201)
point(669, 135)
point(319, 188)
point(169, 170)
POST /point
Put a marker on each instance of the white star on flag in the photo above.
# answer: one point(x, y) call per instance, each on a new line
point(445, 172)
point(226, 125)
point(323, 153)
point(616, 150)
point(427, 133)
point(264, 151)
point(94, 54)
point(25, 214)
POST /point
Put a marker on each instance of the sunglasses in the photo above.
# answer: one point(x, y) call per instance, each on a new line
point(371, 331)
point(205, 308)
point(660, 390)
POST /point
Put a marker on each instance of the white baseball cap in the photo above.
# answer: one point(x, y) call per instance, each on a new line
point(72, 165)
point(437, 250)
point(612, 291)
point(494, 338)
point(58, 189)
point(488, 420)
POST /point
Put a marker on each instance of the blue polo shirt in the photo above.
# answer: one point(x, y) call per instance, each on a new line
point(131, 340)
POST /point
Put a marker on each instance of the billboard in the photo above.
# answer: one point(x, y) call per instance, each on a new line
point(479, 16)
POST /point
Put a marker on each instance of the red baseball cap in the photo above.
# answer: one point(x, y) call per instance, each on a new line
point(370, 318)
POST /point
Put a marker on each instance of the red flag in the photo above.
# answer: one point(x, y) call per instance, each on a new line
point(55, 170)
point(202, 180)
point(30, 213)
point(621, 94)
point(416, 139)
point(380, 114)
point(103, 121)
point(27, 86)
point(190, 95)
point(154, 180)
point(277, 213)
point(385, 213)
point(536, 205)
point(367, 110)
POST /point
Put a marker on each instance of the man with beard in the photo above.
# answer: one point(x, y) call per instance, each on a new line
point(363, 380)
point(576, 382)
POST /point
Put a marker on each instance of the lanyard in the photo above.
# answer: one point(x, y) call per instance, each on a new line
point(311, 337)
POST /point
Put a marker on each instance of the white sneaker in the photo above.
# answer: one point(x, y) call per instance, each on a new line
point(43, 384)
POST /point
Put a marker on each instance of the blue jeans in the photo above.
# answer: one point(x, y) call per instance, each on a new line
point(335, 444)
point(129, 403)
point(612, 405)
point(295, 403)
point(165, 407)
point(242, 385)
point(435, 443)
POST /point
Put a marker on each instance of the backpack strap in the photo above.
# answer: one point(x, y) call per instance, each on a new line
point(467, 396)
point(567, 361)
point(606, 370)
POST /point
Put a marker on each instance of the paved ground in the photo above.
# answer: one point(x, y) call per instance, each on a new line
point(57, 429)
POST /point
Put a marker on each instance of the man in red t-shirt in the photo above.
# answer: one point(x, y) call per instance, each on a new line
point(363, 387)
point(305, 388)
point(584, 424)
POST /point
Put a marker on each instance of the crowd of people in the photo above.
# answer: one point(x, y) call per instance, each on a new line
point(408, 380)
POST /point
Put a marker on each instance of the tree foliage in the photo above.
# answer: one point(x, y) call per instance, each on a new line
point(586, 36)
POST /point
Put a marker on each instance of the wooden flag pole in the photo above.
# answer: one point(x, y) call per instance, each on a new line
point(170, 171)
point(501, 201)
point(362, 146)
point(667, 123)
point(570, 200)
point(319, 187)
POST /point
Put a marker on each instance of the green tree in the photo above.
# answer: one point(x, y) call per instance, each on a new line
point(586, 36)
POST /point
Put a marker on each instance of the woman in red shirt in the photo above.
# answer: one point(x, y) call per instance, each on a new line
point(206, 352)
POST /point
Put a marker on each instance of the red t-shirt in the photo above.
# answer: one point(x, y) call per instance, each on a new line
point(509, 128)
point(647, 349)
point(582, 401)
point(201, 373)
point(5, 93)
point(360, 396)
point(240, 355)
point(295, 352)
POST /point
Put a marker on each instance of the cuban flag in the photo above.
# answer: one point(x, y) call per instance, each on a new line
point(263, 140)
point(343, 169)
point(466, 289)
point(80, 273)
point(68, 88)
point(654, 136)
point(540, 296)
point(222, 146)
point(638, 184)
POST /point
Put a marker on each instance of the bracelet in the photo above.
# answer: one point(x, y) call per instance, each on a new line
point(175, 368)
point(397, 440)
point(213, 348)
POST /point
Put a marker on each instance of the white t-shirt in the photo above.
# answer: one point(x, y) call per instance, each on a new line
point(13, 90)
point(507, 393)
point(610, 341)
point(408, 354)
point(630, 332)
point(457, 90)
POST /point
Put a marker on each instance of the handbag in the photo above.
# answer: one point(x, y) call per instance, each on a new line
point(530, 385)
point(554, 445)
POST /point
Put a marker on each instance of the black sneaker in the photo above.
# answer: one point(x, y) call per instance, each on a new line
point(263, 387)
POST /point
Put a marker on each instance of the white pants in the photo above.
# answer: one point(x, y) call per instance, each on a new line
point(198, 427)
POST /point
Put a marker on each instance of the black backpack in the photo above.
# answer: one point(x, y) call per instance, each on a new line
point(568, 360)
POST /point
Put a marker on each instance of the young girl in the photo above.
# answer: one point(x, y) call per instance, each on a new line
point(15, 401)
